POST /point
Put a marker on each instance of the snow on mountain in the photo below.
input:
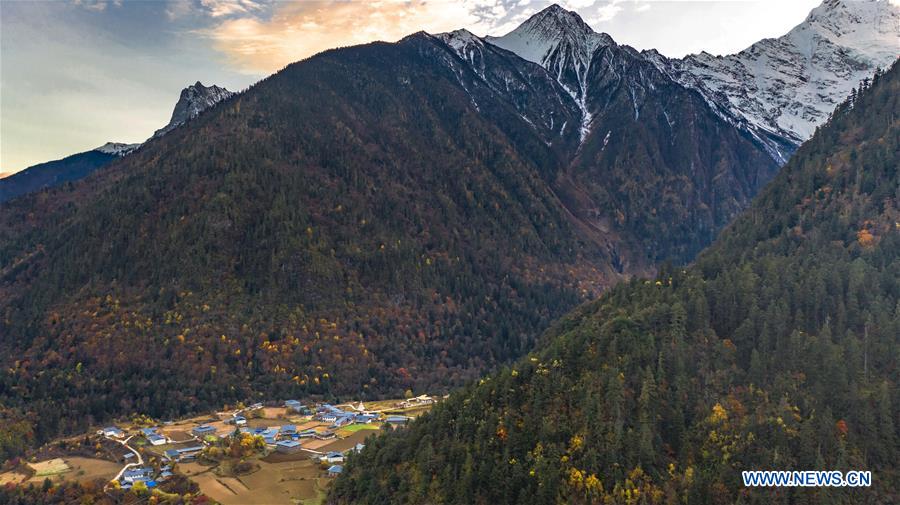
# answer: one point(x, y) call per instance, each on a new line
point(561, 42)
point(789, 85)
point(117, 148)
point(194, 99)
point(543, 35)
point(461, 40)
point(529, 89)
point(468, 46)
point(777, 90)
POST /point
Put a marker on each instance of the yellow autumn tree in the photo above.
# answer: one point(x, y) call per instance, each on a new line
point(865, 238)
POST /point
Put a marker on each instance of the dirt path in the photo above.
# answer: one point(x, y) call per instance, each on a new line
point(140, 459)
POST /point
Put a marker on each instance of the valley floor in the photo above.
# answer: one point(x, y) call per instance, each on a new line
point(304, 448)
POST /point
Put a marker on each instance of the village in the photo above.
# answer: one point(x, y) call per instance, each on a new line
point(264, 453)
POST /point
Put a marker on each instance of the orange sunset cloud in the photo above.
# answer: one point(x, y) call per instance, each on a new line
point(298, 30)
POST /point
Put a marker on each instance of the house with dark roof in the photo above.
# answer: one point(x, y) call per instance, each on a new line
point(203, 430)
point(183, 454)
point(287, 446)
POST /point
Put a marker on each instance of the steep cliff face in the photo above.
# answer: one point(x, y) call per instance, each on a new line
point(194, 99)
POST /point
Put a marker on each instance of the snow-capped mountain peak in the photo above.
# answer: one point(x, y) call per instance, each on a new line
point(868, 27)
point(117, 148)
point(787, 86)
point(194, 99)
point(544, 33)
point(561, 42)
point(459, 39)
point(779, 90)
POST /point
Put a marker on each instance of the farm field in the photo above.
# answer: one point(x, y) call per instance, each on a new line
point(275, 482)
point(343, 444)
point(49, 468)
point(73, 468)
point(12, 478)
point(177, 434)
point(358, 427)
point(87, 469)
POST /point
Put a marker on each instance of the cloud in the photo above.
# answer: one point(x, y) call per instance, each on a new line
point(220, 8)
point(295, 31)
point(216, 9)
point(97, 5)
point(261, 36)
point(176, 9)
point(598, 11)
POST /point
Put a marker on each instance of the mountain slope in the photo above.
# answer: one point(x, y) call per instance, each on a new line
point(657, 161)
point(651, 163)
point(367, 221)
point(352, 224)
point(776, 350)
point(53, 173)
point(786, 87)
point(194, 99)
point(561, 42)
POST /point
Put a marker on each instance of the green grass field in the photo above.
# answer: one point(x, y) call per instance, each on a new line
point(353, 428)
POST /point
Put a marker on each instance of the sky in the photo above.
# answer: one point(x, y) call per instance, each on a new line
point(76, 74)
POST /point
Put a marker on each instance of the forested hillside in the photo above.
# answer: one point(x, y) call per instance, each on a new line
point(372, 220)
point(351, 224)
point(777, 350)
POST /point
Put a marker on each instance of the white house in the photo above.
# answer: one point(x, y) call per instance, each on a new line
point(112, 431)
